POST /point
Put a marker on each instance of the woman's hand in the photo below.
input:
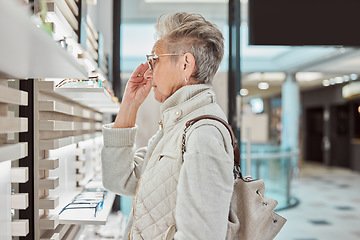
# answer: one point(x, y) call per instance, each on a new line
point(136, 91)
point(137, 88)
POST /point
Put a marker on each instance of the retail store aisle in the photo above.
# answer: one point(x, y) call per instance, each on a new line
point(329, 207)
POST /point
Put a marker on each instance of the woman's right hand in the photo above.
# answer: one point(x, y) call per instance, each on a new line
point(138, 87)
point(136, 91)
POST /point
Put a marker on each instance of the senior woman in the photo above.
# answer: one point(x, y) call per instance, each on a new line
point(176, 196)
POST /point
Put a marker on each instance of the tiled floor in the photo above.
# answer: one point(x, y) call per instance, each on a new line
point(329, 207)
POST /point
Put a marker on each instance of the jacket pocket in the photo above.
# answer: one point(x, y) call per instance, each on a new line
point(170, 155)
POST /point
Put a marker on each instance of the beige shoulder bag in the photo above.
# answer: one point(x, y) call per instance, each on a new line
point(251, 215)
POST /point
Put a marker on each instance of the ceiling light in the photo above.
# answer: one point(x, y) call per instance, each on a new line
point(332, 81)
point(269, 76)
point(339, 80)
point(353, 76)
point(326, 83)
point(263, 85)
point(308, 76)
point(346, 78)
point(359, 109)
point(244, 92)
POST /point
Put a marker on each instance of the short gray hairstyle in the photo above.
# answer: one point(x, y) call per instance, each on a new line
point(184, 32)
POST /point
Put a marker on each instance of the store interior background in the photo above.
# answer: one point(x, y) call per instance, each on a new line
point(313, 174)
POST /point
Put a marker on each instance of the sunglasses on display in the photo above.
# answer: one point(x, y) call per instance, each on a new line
point(152, 58)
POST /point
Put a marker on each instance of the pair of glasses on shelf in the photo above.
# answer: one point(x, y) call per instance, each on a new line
point(87, 200)
point(97, 206)
point(77, 82)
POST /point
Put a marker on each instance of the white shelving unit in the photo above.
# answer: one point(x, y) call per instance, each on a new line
point(97, 98)
point(63, 119)
point(29, 52)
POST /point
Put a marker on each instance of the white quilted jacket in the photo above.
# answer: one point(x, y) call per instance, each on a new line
point(174, 199)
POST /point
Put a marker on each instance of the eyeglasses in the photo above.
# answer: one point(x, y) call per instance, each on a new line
point(87, 200)
point(152, 58)
point(72, 82)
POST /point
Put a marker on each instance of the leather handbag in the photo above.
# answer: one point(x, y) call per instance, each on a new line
point(251, 214)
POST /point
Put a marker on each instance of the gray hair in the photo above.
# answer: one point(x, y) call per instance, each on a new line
point(184, 32)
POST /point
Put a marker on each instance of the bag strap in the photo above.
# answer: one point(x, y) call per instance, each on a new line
point(228, 127)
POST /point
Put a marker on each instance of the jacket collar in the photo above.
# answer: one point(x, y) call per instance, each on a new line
point(184, 101)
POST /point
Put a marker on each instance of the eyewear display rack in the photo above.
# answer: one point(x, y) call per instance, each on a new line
point(50, 139)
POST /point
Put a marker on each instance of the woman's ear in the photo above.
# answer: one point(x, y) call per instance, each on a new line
point(188, 65)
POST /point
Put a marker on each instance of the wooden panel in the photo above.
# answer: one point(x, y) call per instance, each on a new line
point(79, 177)
point(65, 10)
point(49, 202)
point(92, 39)
point(79, 164)
point(52, 125)
point(60, 231)
point(11, 124)
point(13, 96)
point(46, 86)
point(49, 222)
point(92, 27)
point(73, 6)
point(20, 201)
point(52, 236)
point(49, 183)
point(55, 143)
point(20, 228)
point(48, 164)
point(90, 48)
point(13, 151)
point(71, 233)
point(19, 174)
point(55, 106)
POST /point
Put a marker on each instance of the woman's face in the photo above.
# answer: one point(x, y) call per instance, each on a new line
point(166, 75)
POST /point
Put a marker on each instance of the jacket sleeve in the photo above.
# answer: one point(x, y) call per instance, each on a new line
point(205, 187)
point(121, 164)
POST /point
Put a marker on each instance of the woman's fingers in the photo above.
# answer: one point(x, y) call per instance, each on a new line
point(140, 70)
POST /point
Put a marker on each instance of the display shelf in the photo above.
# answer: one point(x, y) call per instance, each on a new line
point(73, 6)
point(96, 98)
point(65, 10)
point(13, 151)
point(53, 125)
point(57, 234)
point(49, 222)
point(48, 202)
point(11, 124)
point(86, 216)
point(49, 183)
point(29, 52)
point(48, 164)
point(13, 96)
point(20, 228)
point(19, 174)
point(52, 144)
point(20, 201)
point(54, 106)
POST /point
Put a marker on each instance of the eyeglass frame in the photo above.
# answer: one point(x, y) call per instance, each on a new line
point(155, 57)
point(99, 203)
